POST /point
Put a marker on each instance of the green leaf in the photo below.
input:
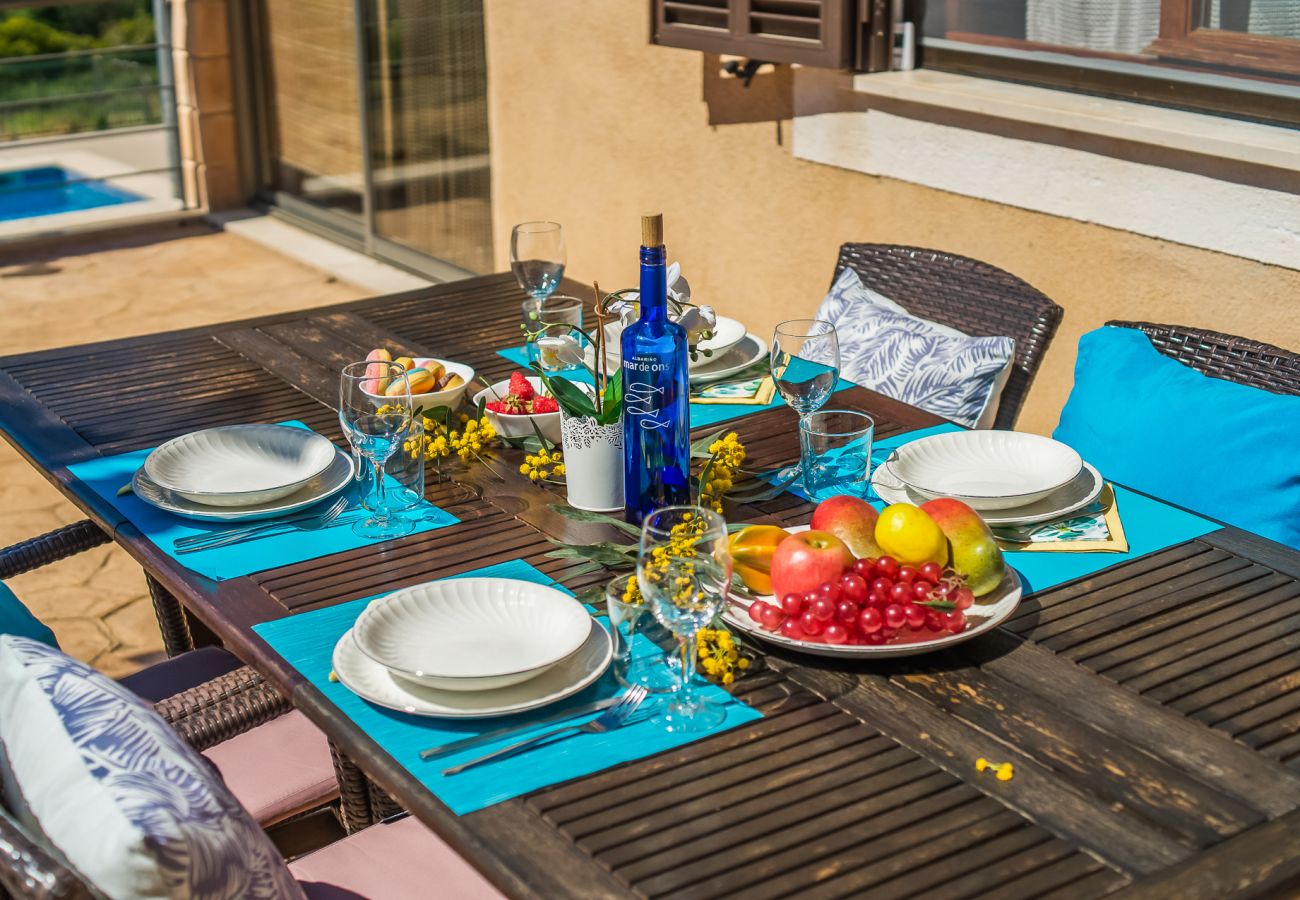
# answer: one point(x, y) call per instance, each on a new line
point(607, 553)
point(766, 492)
point(613, 395)
point(582, 515)
point(575, 400)
point(125, 489)
point(592, 595)
point(700, 447)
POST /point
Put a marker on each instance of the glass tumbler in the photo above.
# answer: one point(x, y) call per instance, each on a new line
point(639, 639)
point(838, 444)
point(560, 309)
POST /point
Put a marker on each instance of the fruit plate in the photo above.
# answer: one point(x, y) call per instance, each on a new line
point(336, 477)
point(1084, 489)
point(372, 682)
point(987, 613)
point(472, 634)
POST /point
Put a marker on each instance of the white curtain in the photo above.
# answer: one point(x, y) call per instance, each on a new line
point(1278, 18)
point(1115, 26)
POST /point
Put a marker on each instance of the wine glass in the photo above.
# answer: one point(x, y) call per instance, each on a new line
point(805, 362)
point(684, 571)
point(375, 412)
point(537, 257)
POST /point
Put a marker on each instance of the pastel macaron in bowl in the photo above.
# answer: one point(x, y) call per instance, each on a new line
point(433, 382)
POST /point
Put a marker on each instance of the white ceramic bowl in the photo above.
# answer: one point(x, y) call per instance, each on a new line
point(472, 634)
point(450, 397)
point(519, 426)
point(985, 469)
point(727, 334)
point(239, 465)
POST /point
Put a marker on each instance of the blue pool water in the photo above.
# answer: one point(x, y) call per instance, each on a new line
point(47, 190)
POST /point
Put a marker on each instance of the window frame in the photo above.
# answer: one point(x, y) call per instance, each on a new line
point(1188, 74)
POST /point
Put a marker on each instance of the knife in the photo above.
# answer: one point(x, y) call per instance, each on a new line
point(487, 736)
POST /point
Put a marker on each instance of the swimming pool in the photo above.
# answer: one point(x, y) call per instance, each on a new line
point(48, 190)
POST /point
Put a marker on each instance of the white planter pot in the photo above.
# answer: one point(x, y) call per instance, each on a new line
point(593, 463)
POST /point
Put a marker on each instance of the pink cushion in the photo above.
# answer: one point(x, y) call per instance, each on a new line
point(391, 862)
point(278, 769)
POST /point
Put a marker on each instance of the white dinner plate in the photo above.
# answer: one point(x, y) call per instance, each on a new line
point(746, 353)
point(1082, 490)
point(335, 478)
point(472, 634)
point(988, 612)
point(727, 333)
point(372, 682)
point(987, 470)
point(239, 465)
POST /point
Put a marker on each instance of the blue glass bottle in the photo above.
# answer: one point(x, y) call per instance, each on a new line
point(656, 392)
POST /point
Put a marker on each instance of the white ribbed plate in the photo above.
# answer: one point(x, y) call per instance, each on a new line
point(239, 465)
point(985, 469)
point(743, 355)
point(1082, 490)
point(987, 613)
point(328, 483)
point(372, 682)
point(472, 634)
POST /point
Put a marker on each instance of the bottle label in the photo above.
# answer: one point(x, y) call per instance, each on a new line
point(645, 399)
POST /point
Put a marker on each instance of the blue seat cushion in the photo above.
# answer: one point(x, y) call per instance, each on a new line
point(17, 619)
point(1222, 449)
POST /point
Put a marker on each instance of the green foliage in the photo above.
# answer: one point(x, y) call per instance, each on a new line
point(21, 36)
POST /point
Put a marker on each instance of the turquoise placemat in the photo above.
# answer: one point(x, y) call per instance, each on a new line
point(702, 414)
point(107, 474)
point(1149, 525)
point(307, 642)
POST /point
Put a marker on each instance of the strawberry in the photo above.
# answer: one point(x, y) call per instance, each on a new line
point(521, 387)
point(545, 405)
point(496, 406)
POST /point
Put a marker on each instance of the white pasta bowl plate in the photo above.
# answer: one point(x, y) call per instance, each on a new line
point(472, 634)
point(239, 465)
point(985, 469)
point(520, 425)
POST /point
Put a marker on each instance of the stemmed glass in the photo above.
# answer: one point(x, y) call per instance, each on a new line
point(537, 257)
point(805, 361)
point(684, 571)
point(375, 411)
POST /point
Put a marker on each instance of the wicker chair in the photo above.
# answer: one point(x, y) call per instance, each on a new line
point(971, 296)
point(1225, 356)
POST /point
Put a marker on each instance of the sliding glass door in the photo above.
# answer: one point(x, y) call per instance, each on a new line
point(374, 115)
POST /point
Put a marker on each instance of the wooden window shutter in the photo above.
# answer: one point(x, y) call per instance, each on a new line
point(810, 32)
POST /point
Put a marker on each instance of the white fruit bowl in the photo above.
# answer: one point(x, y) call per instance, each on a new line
point(512, 426)
point(472, 634)
point(450, 398)
point(986, 470)
point(239, 465)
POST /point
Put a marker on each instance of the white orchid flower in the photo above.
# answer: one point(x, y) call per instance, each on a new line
point(627, 310)
point(678, 289)
point(697, 320)
point(559, 352)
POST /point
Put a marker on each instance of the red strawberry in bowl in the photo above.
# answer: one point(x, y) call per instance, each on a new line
point(520, 386)
point(545, 405)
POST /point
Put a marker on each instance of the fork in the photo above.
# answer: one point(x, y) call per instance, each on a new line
point(614, 717)
point(221, 539)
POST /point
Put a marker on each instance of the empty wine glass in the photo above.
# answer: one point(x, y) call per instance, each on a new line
point(375, 412)
point(684, 571)
point(537, 257)
point(805, 361)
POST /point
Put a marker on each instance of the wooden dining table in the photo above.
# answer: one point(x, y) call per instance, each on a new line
point(1151, 710)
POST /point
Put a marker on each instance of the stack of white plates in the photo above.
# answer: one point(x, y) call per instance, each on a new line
point(242, 472)
point(1009, 477)
point(471, 648)
point(731, 349)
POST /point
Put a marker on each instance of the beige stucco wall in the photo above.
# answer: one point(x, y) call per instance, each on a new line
point(591, 126)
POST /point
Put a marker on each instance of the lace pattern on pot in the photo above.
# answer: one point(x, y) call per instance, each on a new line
point(585, 433)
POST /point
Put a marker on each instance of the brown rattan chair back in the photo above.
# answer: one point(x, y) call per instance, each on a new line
point(971, 296)
point(1225, 356)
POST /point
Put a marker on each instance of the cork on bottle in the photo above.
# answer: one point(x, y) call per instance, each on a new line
point(652, 230)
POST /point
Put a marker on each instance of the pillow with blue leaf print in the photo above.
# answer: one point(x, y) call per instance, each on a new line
point(116, 794)
point(887, 349)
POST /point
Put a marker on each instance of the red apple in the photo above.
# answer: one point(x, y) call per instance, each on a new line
point(806, 560)
point(852, 520)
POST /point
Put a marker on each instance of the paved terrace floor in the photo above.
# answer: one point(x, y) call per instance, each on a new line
point(103, 288)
